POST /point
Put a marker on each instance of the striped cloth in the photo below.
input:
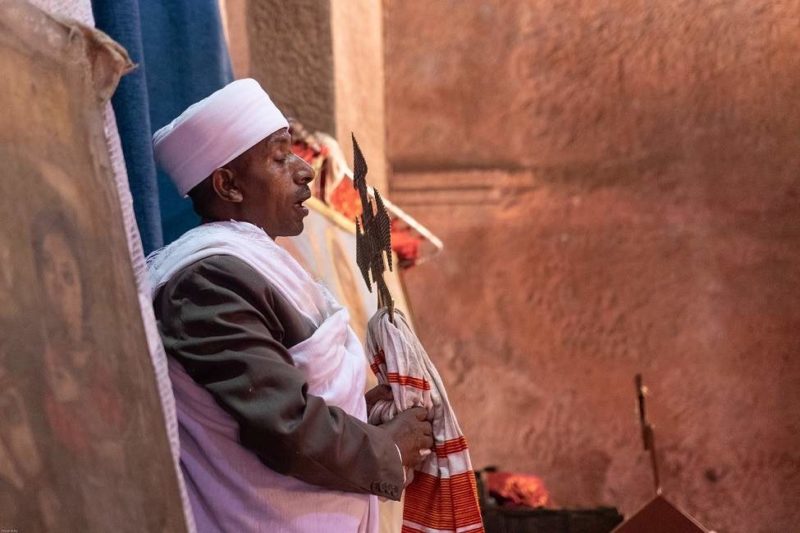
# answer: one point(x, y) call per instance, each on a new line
point(440, 494)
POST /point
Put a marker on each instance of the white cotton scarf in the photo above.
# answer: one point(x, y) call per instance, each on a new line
point(441, 494)
point(229, 488)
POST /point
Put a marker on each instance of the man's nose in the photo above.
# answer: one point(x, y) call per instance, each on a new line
point(304, 173)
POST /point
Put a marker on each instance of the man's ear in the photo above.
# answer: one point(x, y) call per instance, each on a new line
point(224, 183)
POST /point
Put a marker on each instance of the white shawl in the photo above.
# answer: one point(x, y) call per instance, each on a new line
point(440, 496)
point(229, 488)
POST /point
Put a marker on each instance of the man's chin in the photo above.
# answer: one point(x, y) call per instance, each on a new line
point(296, 230)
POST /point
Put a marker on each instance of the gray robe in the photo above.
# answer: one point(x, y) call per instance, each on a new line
point(230, 331)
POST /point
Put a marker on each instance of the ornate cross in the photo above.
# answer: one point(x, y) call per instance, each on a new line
point(373, 234)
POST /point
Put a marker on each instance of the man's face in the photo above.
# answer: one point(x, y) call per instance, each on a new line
point(274, 184)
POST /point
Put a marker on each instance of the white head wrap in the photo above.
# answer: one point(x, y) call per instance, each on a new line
point(214, 131)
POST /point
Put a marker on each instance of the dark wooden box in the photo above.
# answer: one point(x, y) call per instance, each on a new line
point(519, 520)
point(500, 519)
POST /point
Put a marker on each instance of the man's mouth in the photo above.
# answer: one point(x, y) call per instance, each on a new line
point(299, 204)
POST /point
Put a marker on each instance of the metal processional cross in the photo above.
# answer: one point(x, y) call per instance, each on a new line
point(373, 234)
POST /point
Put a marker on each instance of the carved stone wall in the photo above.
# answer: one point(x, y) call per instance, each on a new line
point(616, 184)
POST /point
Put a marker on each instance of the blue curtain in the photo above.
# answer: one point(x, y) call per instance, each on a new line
point(180, 48)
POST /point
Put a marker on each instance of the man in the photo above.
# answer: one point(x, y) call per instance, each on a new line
point(268, 376)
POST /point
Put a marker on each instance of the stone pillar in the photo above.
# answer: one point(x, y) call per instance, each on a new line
point(234, 21)
point(359, 81)
point(321, 61)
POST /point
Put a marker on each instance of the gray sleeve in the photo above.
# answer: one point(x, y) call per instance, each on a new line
point(217, 318)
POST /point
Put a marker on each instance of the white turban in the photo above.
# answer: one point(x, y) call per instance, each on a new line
point(214, 131)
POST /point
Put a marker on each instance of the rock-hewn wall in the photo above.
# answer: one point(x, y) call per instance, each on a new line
point(291, 54)
point(617, 187)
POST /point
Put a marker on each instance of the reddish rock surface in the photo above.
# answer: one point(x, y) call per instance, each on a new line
point(616, 184)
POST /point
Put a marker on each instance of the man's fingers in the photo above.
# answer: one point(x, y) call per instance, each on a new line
point(385, 393)
point(420, 456)
point(420, 412)
point(413, 433)
point(383, 390)
point(379, 392)
point(424, 442)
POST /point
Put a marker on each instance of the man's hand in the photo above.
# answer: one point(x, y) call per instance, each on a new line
point(377, 393)
point(412, 433)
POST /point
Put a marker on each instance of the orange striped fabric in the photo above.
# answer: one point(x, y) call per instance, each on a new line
point(442, 503)
point(394, 377)
point(458, 444)
point(377, 360)
point(441, 495)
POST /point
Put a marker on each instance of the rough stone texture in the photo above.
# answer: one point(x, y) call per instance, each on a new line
point(291, 54)
point(235, 17)
point(359, 81)
point(616, 186)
